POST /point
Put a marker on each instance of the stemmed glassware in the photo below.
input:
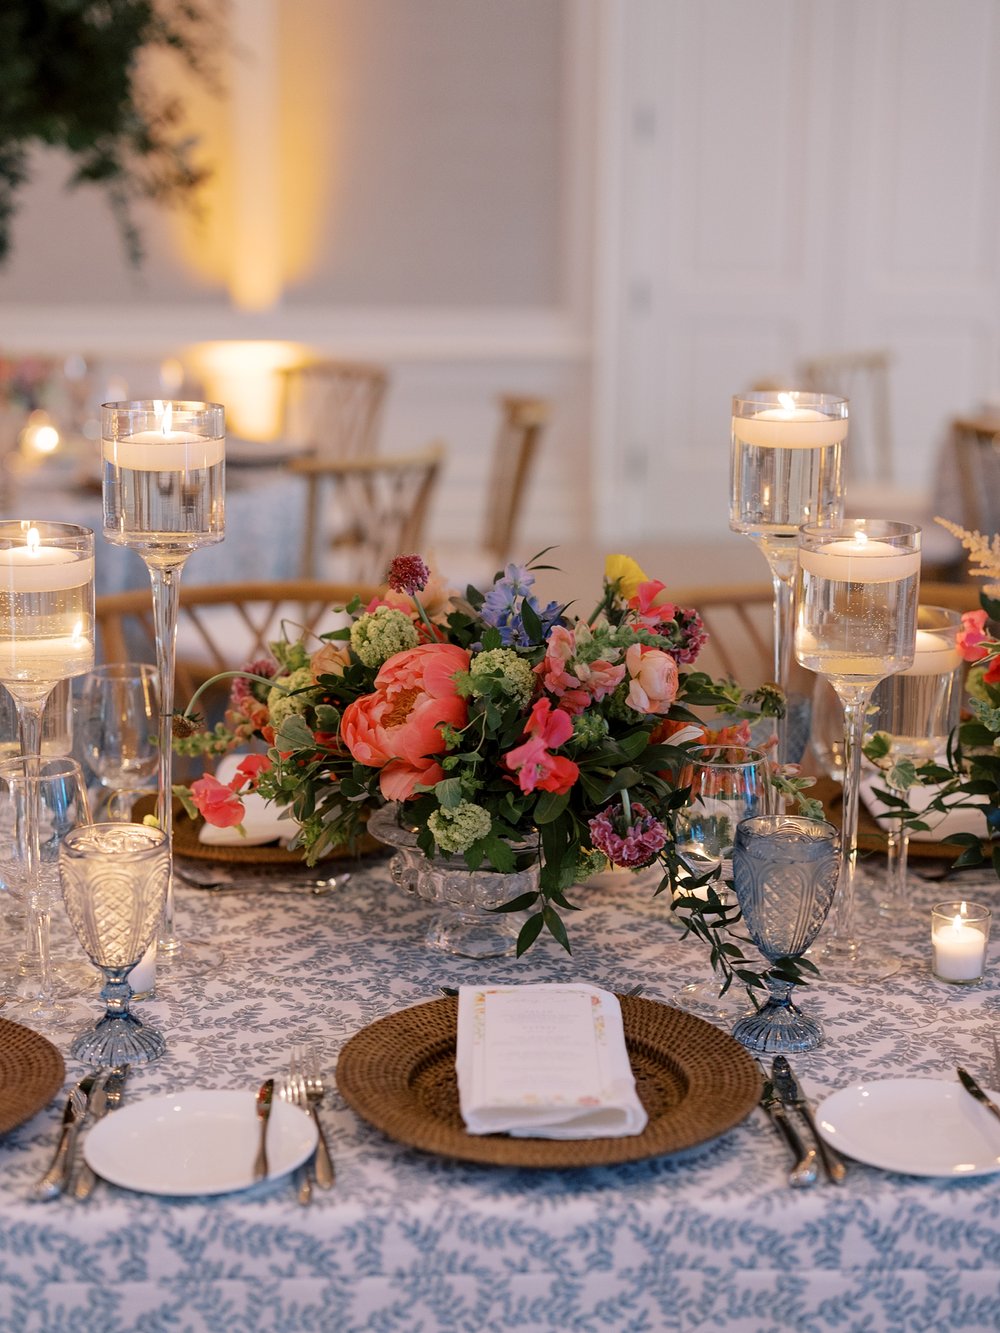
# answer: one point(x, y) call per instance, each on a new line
point(114, 884)
point(728, 784)
point(785, 871)
point(918, 708)
point(786, 470)
point(855, 624)
point(164, 496)
point(41, 800)
point(118, 723)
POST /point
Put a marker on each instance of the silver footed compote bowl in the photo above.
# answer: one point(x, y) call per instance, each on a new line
point(785, 870)
point(114, 882)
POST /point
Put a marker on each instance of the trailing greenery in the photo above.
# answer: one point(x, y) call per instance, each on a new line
point(70, 79)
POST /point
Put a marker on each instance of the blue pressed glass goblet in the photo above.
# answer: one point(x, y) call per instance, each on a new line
point(785, 870)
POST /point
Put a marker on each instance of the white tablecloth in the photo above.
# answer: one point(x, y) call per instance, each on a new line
point(407, 1242)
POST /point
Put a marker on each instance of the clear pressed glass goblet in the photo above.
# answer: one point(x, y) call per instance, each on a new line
point(728, 784)
point(118, 724)
point(918, 708)
point(856, 619)
point(785, 870)
point(786, 470)
point(164, 496)
point(114, 883)
point(41, 800)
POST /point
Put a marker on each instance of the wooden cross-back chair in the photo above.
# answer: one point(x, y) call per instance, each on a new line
point(522, 421)
point(220, 627)
point(372, 509)
point(975, 451)
point(333, 408)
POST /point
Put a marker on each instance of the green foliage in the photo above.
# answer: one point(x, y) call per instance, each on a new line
point(69, 79)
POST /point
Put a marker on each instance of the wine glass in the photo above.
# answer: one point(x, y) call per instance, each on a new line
point(786, 470)
point(785, 871)
point(728, 783)
point(114, 884)
point(856, 620)
point(118, 721)
point(164, 496)
point(918, 708)
point(41, 800)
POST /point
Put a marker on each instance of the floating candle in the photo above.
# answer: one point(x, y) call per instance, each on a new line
point(860, 560)
point(790, 427)
point(37, 568)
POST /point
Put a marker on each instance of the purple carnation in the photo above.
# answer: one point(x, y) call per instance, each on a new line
point(637, 846)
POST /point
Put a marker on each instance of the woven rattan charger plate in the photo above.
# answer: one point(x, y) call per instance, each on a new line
point(694, 1081)
point(871, 835)
point(31, 1073)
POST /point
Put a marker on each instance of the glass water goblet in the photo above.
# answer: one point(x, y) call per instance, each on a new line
point(785, 870)
point(856, 620)
point(41, 800)
point(114, 883)
point(786, 470)
point(728, 783)
point(918, 709)
point(118, 724)
point(164, 496)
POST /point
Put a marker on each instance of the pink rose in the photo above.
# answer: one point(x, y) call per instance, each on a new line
point(653, 684)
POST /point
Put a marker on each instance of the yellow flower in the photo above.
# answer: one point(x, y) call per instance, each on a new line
point(624, 571)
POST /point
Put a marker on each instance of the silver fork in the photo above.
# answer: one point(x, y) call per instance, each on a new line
point(291, 1090)
point(306, 1074)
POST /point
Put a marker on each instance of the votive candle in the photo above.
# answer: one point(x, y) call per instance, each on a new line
point(959, 934)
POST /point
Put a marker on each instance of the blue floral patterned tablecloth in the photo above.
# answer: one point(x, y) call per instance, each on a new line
point(408, 1242)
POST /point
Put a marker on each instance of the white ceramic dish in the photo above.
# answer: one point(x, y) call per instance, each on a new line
point(196, 1142)
point(918, 1126)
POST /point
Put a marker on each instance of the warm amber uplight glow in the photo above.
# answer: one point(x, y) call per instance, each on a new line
point(241, 375)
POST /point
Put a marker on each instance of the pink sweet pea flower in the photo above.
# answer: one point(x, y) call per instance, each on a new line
point(651, 603)
point(248, 771)
point(533, 761)
point(578, 688)
point(653, 684)
point(217, 803)
point(973, 636)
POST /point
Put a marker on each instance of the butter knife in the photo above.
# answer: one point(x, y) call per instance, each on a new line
point(54, 1180)
point(265, 1095)
point(787, 1087)
point(971, 1086)
point(104, 1099)
point(803, 1173)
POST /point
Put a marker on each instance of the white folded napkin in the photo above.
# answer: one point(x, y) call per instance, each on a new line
point(918, 798)
point(545, 1061)
point(262, 822)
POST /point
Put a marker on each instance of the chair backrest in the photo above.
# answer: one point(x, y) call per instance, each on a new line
point(220, 627)
point(333, 408)
point(740, 624)
point(975, 451)
point(372, 510)
point(863, 378)
point(522, 422)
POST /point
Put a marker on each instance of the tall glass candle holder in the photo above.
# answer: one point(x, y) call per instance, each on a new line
point(46, 636)
point(918, 709)
point(856, 620)
point(164, 496)
point(786, 470)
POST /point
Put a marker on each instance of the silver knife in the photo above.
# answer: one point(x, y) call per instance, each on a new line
point(104, 1099)
point(970, 1085)
point(53, 1182)
point(787, 1087)
point(803, 1173)
point(265, 1095)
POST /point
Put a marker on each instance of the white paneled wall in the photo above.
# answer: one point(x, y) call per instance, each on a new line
point(790, 177)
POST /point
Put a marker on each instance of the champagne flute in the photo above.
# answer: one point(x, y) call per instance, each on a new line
point(918, 708)
point(119, 716)
point(728, 783)
point(46, 636)
point(164, 496)
point(856, 620)
point(786, 470)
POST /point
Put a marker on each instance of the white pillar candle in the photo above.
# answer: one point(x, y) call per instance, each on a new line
point(934, 654)
point(959, 945)
point(142, 978)
point(790, 427)
point(860, 560)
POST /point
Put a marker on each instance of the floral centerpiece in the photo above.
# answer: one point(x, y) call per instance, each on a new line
point(492, 720)
point(968, 778)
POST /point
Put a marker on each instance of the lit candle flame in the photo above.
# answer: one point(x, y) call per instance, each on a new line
point(164, 415)
point(33, 541)
point(956, 924)
point(787, 401)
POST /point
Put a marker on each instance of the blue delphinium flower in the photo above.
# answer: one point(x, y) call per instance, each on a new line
point(503, 606)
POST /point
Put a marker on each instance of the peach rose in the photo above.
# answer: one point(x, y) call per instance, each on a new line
point(653, 684)
point(398, 728)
